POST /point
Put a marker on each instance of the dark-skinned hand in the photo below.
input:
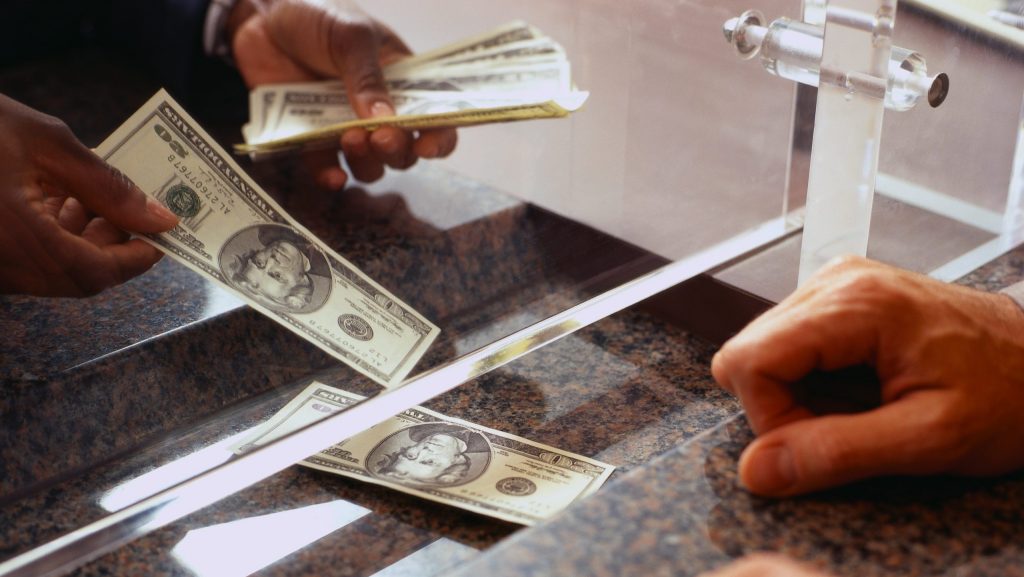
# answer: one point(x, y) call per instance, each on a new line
point(64, 212)
point(302, 40)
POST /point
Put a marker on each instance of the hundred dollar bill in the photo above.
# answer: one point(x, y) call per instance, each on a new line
point(233, 233)
point(443, 459)
point(287, 109)
point(509, 33)
point(511, 73)
point(552, 78)
point(558, 107)
point(304, 108)
point(541, 51)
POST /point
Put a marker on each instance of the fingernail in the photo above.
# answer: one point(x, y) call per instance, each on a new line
point(333, 180)
point(768, 470)
point(155, 208)
point(431, 150)
point(381, 108)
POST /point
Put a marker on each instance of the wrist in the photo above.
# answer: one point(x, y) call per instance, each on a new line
point(223, 20)
point(215, 42)
point(1011, 308)
point(241, 12)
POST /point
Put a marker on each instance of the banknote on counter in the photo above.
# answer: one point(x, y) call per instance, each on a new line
point(443, 459)
point(233, 233)
point(513, 72)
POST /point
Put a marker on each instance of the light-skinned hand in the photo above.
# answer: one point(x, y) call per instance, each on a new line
point(303, 40)
point(64, 212)
point(766, 565)
point(950, 361)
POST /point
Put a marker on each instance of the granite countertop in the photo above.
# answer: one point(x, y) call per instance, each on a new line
point(96, 392)
point(631, 390)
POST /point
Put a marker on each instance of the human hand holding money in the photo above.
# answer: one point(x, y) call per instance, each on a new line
point(299, 41)
point(513, 72)
point(64, 212)
point(232, 232)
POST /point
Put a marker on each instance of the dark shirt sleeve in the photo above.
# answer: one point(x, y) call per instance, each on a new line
point(30, 29)
point(162, 38)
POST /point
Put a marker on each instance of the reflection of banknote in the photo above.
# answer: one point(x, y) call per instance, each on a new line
point(232, 232)
point(511, 73)
point(443, 459)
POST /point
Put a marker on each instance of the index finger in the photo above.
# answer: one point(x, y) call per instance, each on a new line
point(813, 330)
point(107, 192)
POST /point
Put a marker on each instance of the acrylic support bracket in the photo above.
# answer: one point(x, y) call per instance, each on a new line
point(792, 49)
point(849, 57)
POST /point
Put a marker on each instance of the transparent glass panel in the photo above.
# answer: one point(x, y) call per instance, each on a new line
point(678, 163)
point(945, 175)
point(947, 194)
point(851, 103)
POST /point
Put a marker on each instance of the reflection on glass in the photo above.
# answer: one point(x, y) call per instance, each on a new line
point(219, 301)
point(169, 475)
point(245, 546)
point(439, 557)
point(1014, 222)
point(847, 131)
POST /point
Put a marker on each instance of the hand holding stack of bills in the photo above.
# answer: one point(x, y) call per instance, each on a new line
point(513, 72)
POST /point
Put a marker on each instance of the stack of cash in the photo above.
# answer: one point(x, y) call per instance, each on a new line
point(513, 72)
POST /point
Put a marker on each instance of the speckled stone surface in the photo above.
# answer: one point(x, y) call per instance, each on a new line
point(571, 394)
point(684, 513)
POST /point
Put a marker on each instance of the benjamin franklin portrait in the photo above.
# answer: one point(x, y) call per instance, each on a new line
point(432, 455)
point(277, 267)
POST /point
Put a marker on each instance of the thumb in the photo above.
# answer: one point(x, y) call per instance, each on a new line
point(822, 452)
point(356, 54)
point(107, 192)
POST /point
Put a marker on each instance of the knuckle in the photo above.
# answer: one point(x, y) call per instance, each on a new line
point(732, 366)
point(58, 134)
point(862, 281)
point(118, 186)
point(845, 263)
point(723, 363)
point(354, 45)
point(364, 76)
point(868, 288)
point(54, 126)
point(350, 33)
point(946, 431)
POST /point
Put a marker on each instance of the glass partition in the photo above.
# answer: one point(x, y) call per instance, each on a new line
point(947, 190)
point(946, 183)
